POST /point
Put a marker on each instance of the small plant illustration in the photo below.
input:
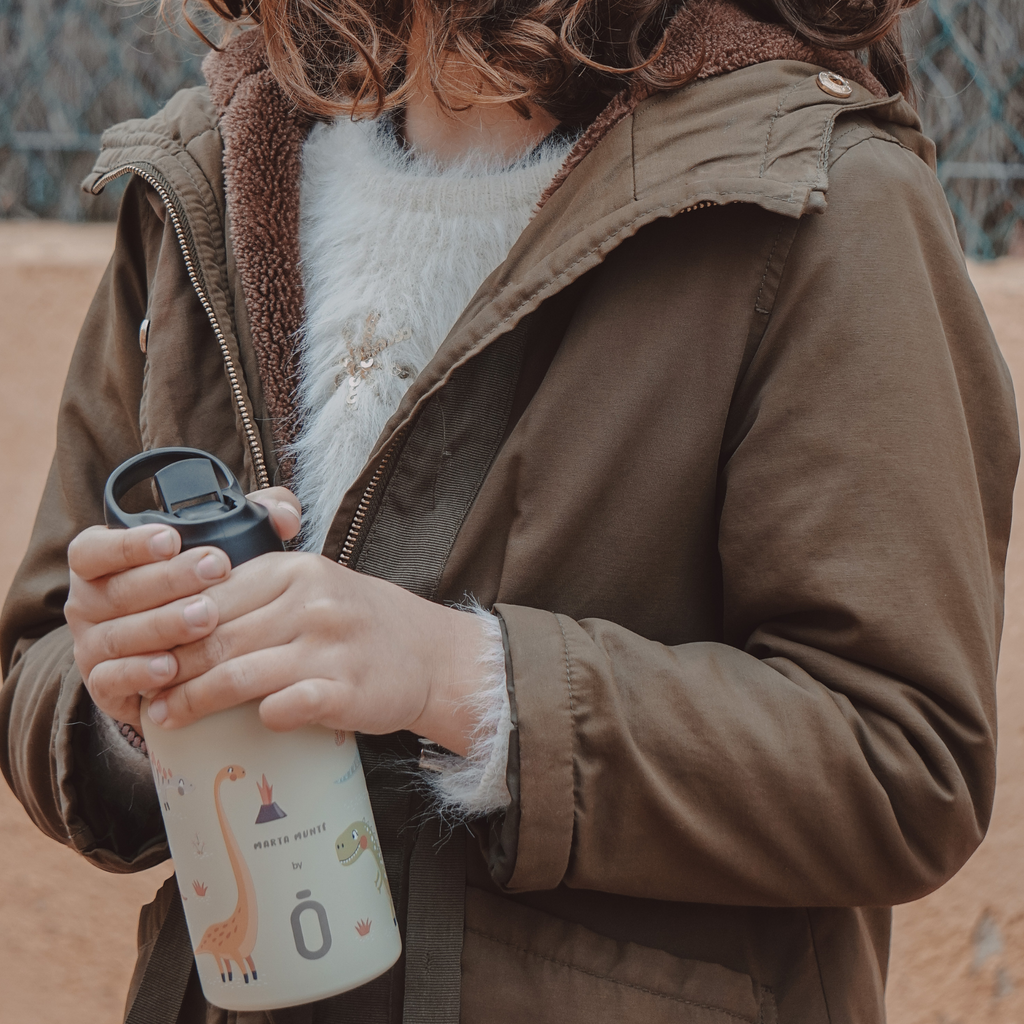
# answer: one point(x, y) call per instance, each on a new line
point(163, 774)
point(200, 888)
point(198, 846)
point(163, 778)
point(363, 927)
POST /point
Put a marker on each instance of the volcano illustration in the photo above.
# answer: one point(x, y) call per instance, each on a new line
point(269, 811)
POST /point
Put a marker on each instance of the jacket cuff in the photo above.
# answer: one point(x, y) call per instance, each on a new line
point(55, 762)
point(536, 832)
point(465, 787)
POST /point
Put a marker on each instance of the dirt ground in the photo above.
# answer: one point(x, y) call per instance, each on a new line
point(67, 930)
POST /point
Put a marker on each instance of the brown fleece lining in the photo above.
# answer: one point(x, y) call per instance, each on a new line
point(263, 133)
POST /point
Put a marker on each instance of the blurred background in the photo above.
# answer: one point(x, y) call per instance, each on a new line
point(71, 68)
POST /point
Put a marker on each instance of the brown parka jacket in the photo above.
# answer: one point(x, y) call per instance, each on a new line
point(728, 445)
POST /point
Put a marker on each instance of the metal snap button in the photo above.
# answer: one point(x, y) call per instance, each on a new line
point(835, 85)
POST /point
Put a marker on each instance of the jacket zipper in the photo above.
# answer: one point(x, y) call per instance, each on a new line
point(363, 508)
point(251, 436)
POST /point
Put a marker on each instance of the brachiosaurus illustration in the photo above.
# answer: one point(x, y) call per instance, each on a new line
point(233, 938)
point(359, 836)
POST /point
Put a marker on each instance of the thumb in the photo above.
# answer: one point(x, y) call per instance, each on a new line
point(284, 508)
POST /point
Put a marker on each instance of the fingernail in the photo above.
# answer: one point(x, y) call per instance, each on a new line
point(162, 543)
point(283, 506)
point(158, 711)
point(160, 666)
point(196, 613)
point(211, 567)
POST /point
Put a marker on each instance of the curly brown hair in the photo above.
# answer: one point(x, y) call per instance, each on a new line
point(347, 57)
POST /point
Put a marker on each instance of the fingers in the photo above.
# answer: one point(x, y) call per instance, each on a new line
point(336, 703)
point(143, 610)
point(99, 552)
point(285, 510)
point(232, 682)
point(157, 630)
point(308, 702)
point(257, 583)
point(125, 711)
point(260, 627)
point(115, 685)
point(130, 652)
point(267, 602)
point(126, 656)
point(148, 586)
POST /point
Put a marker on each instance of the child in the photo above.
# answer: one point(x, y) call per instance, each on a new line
point(647, 330)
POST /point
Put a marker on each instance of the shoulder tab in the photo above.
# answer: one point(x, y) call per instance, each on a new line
point(762, 134)
point(174, 133)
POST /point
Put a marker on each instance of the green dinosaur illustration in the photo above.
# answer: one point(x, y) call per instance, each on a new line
point(349, 846)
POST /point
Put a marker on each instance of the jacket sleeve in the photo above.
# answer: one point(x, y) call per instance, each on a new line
point(50, 754)
point(839, 748)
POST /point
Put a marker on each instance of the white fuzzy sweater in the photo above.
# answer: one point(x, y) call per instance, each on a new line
point(393, 248)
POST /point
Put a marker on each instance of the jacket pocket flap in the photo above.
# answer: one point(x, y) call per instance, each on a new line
point(519, 964)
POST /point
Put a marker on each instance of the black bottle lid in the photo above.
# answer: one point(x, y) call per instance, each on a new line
point(201, 500)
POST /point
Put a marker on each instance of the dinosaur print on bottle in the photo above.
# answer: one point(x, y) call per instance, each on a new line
point(234, 937)
point(350, 845)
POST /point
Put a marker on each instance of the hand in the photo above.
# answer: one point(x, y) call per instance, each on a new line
point(322, 644)
point(129, 591)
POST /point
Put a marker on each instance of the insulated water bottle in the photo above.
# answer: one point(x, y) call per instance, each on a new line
point(275, 850)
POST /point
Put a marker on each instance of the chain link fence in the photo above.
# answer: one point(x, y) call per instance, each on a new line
point(70, 68)
point(968, 58)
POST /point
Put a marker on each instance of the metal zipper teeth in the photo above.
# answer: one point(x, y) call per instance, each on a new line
point(255, 449)
point(364, 502)
point(359, 518)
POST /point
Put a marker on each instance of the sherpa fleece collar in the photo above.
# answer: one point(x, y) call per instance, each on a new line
point(263, 133)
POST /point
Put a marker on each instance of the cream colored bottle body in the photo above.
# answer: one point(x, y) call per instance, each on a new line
point(274, 846)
